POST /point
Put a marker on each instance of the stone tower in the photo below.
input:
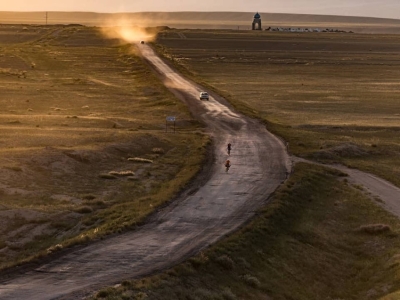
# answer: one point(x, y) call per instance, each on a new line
point(256, 22)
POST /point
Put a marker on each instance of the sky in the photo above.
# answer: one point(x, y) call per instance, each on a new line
point(370, 8)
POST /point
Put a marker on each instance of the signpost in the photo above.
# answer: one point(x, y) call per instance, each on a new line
point(169, 120)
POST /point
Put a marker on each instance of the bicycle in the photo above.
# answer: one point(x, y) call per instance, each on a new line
point(227, 166)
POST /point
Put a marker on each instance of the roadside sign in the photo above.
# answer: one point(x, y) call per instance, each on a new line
point(169, 119)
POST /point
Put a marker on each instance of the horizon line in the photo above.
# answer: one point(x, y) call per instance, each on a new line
point(193, 11)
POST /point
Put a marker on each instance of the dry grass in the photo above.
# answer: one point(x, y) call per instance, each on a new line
point(75, 106)
point(140, 160)
point(122, 173)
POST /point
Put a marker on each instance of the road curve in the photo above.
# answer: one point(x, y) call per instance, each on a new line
point(386, 193)
point(220, 205)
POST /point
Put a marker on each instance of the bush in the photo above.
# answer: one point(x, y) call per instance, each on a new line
point(251, 281)
point(141, 296)
point(228, 295)
point(54, 248)
point(226, 262)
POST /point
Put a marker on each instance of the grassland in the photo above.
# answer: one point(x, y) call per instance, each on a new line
point(303, 245)
point(83, 146)
point(333, 97)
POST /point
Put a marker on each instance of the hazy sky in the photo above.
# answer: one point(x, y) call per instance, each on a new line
point(373, 8)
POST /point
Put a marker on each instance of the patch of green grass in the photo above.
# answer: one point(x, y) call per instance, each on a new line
point(318, 238)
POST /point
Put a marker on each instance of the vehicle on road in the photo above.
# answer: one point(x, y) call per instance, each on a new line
point(204, 96)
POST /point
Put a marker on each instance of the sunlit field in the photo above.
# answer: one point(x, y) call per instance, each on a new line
point(333, 97)
point(84, 152)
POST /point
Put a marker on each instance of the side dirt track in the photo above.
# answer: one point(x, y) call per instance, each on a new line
point(207, 212)
point(385, 193)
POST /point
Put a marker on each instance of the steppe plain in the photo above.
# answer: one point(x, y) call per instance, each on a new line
point(333, 97)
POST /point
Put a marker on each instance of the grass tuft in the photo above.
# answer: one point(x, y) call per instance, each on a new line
point(375, 229)
point(122, 173)
point(54, 248)
point(140, 160)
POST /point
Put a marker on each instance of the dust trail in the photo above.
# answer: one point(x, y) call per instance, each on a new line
point(127, 30)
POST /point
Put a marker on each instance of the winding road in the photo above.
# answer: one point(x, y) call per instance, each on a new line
point(215, 208)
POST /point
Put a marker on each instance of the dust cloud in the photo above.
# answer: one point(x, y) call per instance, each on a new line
point(127, 31)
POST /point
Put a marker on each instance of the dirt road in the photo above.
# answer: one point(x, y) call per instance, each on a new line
point(212, 209)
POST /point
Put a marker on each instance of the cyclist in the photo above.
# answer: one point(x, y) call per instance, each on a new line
point(229, 147)
point(227, 165)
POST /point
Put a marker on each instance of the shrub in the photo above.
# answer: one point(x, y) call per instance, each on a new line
point(251, 281)
point(141, 296)
point(228, 295)
point(243, 263)
point(225, 261)
point(104, 293)
point(54, 248)
point(205, 294)
point(199, 260)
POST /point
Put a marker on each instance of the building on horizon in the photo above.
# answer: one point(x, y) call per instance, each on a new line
point(256, 22)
